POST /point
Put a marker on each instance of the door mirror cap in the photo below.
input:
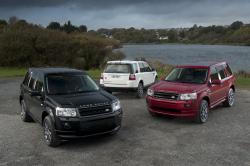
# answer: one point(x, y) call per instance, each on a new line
point(216, 82)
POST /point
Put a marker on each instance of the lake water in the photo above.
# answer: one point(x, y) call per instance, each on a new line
point(237, 56)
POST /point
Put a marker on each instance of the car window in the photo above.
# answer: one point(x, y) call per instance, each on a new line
point(39, 83)
point(228, 70)
point(221, 70)
point(135, 67)
point(188, 75)
point(57, 84)
point(32, 81)
point(141, 65)
point(26, 79)
point(214, 74)
point(147, 68)
point(118, 68)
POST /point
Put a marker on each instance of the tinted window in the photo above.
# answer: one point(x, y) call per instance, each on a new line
point(66, 84)
point(214, 74)
point(39, 83)
point(118, 68)
point(32, 81)
point(147, 68)
point(229, 71)
point(221, 70)
point(188, 75)
point(26, 79)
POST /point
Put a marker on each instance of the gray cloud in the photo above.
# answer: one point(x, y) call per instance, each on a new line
point(127, 13)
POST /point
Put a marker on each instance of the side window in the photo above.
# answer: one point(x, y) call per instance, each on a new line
point(221, 70)
point(26, 79)
point(141, 67)
point(228, 70)
point(39, 83)
point(32, 81)
point(214, 74)
point(147, 68)
point(135, 68)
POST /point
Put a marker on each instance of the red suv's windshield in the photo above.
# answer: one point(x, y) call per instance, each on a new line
point(188, 75)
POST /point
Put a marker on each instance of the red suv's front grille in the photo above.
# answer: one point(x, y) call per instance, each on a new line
point(166, 95)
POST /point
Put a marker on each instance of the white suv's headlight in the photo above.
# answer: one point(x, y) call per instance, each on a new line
point(116, 105)
point(150, 92)
point(188, 96)
point(66, 112)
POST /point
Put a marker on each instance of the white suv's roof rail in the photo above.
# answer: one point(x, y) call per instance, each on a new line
point(124, 61)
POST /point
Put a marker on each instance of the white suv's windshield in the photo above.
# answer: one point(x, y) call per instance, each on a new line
point(68, 84)
point(188, 75)
point(118, 68)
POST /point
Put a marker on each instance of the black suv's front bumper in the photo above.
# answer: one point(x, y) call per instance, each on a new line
point(88, 125)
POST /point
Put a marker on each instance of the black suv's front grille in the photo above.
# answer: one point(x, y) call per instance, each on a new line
point(166, 95)
point(95, 109)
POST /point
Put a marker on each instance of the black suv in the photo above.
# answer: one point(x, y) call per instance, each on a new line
point(68, 104)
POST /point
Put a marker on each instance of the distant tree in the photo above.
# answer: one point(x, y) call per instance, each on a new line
point(83, 28)
point(3, 22)
point(172, 35)
point(13, 20)
point(54, 26)
point(182, 34)
point(68, 27)
point(236, 25)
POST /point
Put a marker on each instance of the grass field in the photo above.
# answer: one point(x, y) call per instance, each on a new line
point(242, 81)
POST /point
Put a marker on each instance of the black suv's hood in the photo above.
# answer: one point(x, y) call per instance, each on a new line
point(76, 100)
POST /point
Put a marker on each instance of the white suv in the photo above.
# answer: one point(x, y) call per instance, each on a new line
point(128, 75)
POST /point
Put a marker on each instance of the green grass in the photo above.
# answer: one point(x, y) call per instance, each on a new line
point(12, 72)
point(242, 81)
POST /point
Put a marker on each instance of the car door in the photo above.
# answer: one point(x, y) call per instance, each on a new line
point(37, 102)
point(215, 89)
point(149, 74)
point(142, 74)
point(225, 81)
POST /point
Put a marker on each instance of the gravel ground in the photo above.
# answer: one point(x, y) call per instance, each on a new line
point(143, 140)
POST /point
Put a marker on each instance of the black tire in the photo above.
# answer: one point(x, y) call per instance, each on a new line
point(24, 113)
point(230, 98)
point(50, 137)
point(202, 114)
point(140, 91)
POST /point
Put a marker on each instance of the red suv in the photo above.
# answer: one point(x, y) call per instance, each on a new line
point(191, 90)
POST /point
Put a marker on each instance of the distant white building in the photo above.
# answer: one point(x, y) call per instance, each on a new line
point(163, 38)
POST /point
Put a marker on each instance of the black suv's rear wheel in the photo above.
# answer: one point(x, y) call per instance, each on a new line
point(202, 114)
point(230, 98)
point(50, 136)
point(140, 91)
point(24, 115)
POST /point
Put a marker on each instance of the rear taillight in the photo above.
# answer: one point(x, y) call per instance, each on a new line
point(132, 77)
point(101, 76)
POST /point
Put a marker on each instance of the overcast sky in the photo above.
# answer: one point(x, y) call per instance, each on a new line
point(129, 13)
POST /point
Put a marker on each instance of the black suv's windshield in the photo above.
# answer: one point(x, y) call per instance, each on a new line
point(68, 84)
point(188, 75)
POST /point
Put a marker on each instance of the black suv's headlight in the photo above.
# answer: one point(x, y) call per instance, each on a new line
point(116, 105)
point(66, 112)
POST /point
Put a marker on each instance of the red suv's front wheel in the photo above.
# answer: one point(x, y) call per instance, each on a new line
point(202, 114)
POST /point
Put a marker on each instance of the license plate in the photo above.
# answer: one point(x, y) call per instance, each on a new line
point(115, 76)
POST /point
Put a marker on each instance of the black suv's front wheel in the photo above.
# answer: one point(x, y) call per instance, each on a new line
point(50, 136)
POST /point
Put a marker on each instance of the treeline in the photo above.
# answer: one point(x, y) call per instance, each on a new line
point(236, 33)
point(24, 45)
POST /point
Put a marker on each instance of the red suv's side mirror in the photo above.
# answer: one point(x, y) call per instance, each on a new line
point(216, 82)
